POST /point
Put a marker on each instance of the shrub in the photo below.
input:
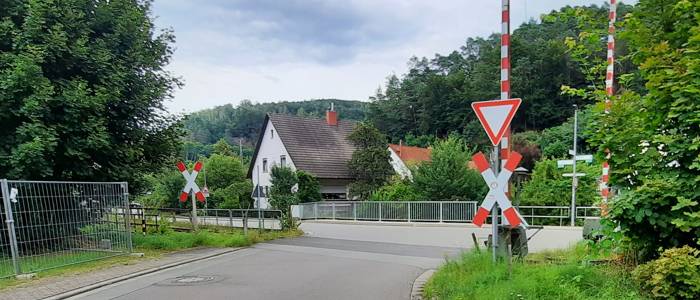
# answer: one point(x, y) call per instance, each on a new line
point(309, 187)
point(674, 275)
point(447, 175)
point(398, 190)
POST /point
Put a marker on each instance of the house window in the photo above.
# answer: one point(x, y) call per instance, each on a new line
point(272, 133)
point(283, 161)
point(264, 165)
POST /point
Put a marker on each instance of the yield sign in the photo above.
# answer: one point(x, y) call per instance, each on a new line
point(495, 116)
point(497, 189)
point(191, 185)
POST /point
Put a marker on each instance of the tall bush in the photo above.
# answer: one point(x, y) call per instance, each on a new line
point(309, 187)
point(447, 175)
point(282, 196)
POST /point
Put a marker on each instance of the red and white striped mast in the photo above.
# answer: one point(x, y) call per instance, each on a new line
point(609, 92)
point(502, 150)
point(505, 72)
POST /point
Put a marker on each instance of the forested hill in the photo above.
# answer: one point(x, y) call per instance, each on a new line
point(433, 97)
point(244, 121)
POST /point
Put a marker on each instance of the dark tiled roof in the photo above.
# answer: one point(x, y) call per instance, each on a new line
point(314, 146)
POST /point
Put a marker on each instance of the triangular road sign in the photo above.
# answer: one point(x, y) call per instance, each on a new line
point(495, 116)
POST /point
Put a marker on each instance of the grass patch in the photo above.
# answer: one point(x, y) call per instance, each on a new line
point(209, 237)
point(548, 275)
point(153, 245)
point(85, 267)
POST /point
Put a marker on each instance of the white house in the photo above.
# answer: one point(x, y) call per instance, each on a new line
point(404, 156)
point(317, 146)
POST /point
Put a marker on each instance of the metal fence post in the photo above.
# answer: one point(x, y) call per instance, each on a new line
point(380, 211)
point(409, 211)
point(9, 219)
point(333, 210)
point(127, 219)
point(230, 217)
point(354, 211)
point(440, 211)
point(316, 210)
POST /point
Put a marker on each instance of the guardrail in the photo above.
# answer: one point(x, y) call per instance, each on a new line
point(431, 211)
point(178, 217)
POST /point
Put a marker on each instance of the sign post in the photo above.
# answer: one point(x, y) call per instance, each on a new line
point(191, 185)
point(495, 116)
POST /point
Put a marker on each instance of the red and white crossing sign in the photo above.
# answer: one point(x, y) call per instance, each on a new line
point(495, 116)
point(190, 185)
point(498, 187)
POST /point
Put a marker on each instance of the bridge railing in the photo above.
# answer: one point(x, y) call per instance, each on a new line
point(431, 211)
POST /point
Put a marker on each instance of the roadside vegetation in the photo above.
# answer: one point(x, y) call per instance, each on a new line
point(167, 239)
point(156, 243)
point(569, 274)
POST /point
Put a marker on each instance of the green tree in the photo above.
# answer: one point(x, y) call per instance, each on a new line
point(227, 182)
point(309, 187)
point(447, 175)
point(282, 196)
point(548, 186)
point(653, 127)
point(370, 164)
point(223, 147)
point(82, 86)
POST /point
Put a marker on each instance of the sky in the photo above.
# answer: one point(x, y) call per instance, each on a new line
point(288, 50)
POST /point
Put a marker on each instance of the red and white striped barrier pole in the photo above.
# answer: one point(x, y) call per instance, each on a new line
point(609, 92)
point(505, 73)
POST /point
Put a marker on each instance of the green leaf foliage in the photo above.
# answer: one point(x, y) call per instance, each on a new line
point(309, 187)
point(82, 86)
point(548, 186)
point(674, 275)
point(653, 133)
point(370, 164)
point(447, 175)
point(282, 196)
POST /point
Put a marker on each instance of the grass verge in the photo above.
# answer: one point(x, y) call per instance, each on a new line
point(156, 244)
point(209, 237)
point(549, 275)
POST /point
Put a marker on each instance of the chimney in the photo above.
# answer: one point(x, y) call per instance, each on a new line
point(332, 116)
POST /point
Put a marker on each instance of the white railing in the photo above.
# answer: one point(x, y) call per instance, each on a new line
point(431, 211)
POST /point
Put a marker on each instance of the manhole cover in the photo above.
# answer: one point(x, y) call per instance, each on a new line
point(191, 280)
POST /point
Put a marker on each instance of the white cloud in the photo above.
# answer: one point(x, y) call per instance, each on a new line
point(294, 50)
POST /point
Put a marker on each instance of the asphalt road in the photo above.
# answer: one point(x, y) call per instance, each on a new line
point(333, 261)
point(301, 268)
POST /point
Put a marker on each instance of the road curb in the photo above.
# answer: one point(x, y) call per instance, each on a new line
point(419, 283)
point(107, 282)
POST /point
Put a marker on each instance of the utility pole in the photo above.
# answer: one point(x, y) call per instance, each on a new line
point(574, 177)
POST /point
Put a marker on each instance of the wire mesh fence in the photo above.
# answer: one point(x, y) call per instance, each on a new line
point(52, 224)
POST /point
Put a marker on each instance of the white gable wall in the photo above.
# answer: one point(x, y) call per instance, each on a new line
point(399, 166)
point(271, 148)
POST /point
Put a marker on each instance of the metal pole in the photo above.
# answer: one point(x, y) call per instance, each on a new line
point(333, 209)
point(495, 163)
point(259, 220)
point(409, 211)
point(127, 217)
point(574, 177)
point(194, 211)
point(9, 219)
